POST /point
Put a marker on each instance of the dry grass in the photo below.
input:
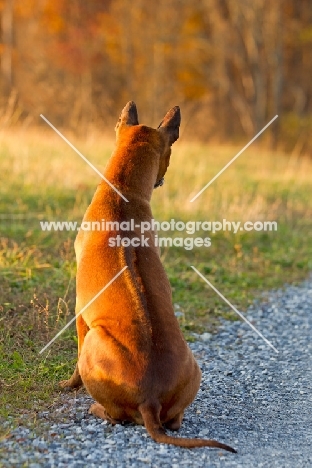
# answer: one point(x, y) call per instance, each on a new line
point(259, 185)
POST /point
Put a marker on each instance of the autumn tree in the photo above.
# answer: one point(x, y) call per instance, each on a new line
point(231, 65)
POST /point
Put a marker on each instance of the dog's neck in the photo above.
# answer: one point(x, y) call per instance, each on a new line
point(133, 166)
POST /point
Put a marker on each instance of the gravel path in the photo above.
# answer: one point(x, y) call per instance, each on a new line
point(256, 400)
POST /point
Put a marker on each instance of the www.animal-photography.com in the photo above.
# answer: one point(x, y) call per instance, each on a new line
point(155, 234)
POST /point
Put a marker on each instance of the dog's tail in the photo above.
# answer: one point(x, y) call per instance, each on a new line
point(151, 417)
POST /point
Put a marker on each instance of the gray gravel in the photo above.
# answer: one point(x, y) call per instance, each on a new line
point(250, 397)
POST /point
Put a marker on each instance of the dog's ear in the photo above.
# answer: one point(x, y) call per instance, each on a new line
point(170, 124)
point(128, 116)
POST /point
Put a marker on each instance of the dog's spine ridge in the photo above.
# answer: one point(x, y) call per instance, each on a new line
point(150, 415)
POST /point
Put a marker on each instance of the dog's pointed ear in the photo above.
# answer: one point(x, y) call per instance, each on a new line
point(128, 116)
point(170, 124)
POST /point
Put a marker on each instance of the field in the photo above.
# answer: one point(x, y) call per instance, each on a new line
point(43, 179)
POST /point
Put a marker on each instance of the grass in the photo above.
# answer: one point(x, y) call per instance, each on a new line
point(43, 179)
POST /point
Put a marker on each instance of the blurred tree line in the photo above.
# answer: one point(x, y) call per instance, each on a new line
point(230, 64)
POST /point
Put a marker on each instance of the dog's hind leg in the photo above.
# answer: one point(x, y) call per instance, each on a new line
point(82, 329)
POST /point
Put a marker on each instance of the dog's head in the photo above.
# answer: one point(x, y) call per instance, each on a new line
point(168, 132)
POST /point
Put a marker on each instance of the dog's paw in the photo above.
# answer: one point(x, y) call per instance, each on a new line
point(99, 411)
point(73, 383)
point(68, 385)
point(65, 384)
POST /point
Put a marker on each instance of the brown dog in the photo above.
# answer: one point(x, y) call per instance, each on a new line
point(132, 357)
